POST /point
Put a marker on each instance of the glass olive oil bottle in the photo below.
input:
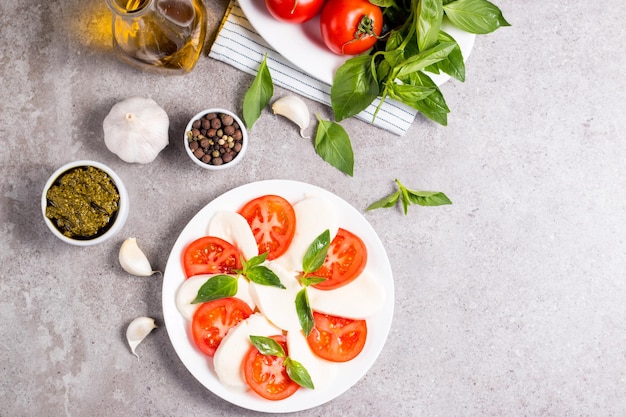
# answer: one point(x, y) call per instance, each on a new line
point(165, 35)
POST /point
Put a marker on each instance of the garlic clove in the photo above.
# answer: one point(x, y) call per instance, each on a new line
point(294, 109)
point(137, 330)
point(133, 260)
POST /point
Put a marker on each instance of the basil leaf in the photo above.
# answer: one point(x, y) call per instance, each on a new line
point(434, 106)
point(428, 198)
point(218, 286)
point(383, 3)
point(332, 143)
point(311, 280)
point(354, 87)
point(453, 65)
point(423, 59)
point(267, 346)
point(254, 261)
point(298, 373)
point(264, 276)
point(305, 314)
point(258, 95)
point(475, 16)
point(385, 202)
point(315, 254)
point(429, 18)
point(409, 94)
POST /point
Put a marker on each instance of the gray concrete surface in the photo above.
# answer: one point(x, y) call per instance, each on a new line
point(509, 302)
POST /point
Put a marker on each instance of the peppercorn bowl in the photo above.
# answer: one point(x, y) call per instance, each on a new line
point(216, 139)
point(84, 203)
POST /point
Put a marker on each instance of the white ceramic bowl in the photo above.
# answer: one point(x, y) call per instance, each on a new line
point(225, 165)
point(118, 221)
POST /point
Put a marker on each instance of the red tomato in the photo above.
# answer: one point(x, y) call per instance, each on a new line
point(337, 339)
point(213, 319)
point(210, 255)
point(346, 259)
point(273, 223)
point(267, 375)
point(294, 11)
point(350, 27)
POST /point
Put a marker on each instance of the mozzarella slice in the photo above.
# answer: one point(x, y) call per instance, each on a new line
point(188, 291)
point(278, 304)
point(314, 215)
point(233, 228)
point(229, 356)
point(321, 371)
point(359, 299)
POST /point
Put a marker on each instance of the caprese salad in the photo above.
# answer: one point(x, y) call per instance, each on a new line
point(277, 293)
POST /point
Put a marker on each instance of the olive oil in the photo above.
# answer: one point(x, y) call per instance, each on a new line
point(159, 34)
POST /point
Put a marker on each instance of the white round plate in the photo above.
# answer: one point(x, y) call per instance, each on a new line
point(201, 366)
point(302, 44)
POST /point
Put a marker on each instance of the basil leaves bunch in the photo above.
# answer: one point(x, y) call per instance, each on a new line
point(415, 44)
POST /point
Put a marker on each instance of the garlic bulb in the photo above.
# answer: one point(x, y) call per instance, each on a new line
point(294, 109)
point(136, 130)
point(137, 330)
point(133, 260)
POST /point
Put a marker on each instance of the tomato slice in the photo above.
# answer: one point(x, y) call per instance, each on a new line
point(210, 255)
point(337, 339)
point(213, 319)
point(267, 375)
point(346, 259)
point(273, 223)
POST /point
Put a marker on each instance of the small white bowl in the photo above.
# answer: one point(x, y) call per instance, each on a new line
point(236, 159)
point(118, 220)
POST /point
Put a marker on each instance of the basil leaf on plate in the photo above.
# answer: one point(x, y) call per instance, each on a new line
point(298, 373)
point(267, 346)
point(311, 280)
point(305, 314)
point(218, 286)
point(315, 254)
point(264, 276)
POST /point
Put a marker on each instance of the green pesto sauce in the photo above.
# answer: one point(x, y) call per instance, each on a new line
point(83, 202)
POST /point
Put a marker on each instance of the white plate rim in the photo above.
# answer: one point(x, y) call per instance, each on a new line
point(200, 366)
point(302, 45)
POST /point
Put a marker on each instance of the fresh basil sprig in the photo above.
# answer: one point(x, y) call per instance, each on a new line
point(408, 197)
point(258, 95)
point(259, 274)
point(296, 371)
point(314, 258)
point(218, 286)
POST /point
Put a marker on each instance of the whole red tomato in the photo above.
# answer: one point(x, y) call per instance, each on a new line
point(294, 11)
point(350, 27)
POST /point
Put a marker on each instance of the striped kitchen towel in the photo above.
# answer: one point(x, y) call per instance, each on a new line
point(239, 45)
